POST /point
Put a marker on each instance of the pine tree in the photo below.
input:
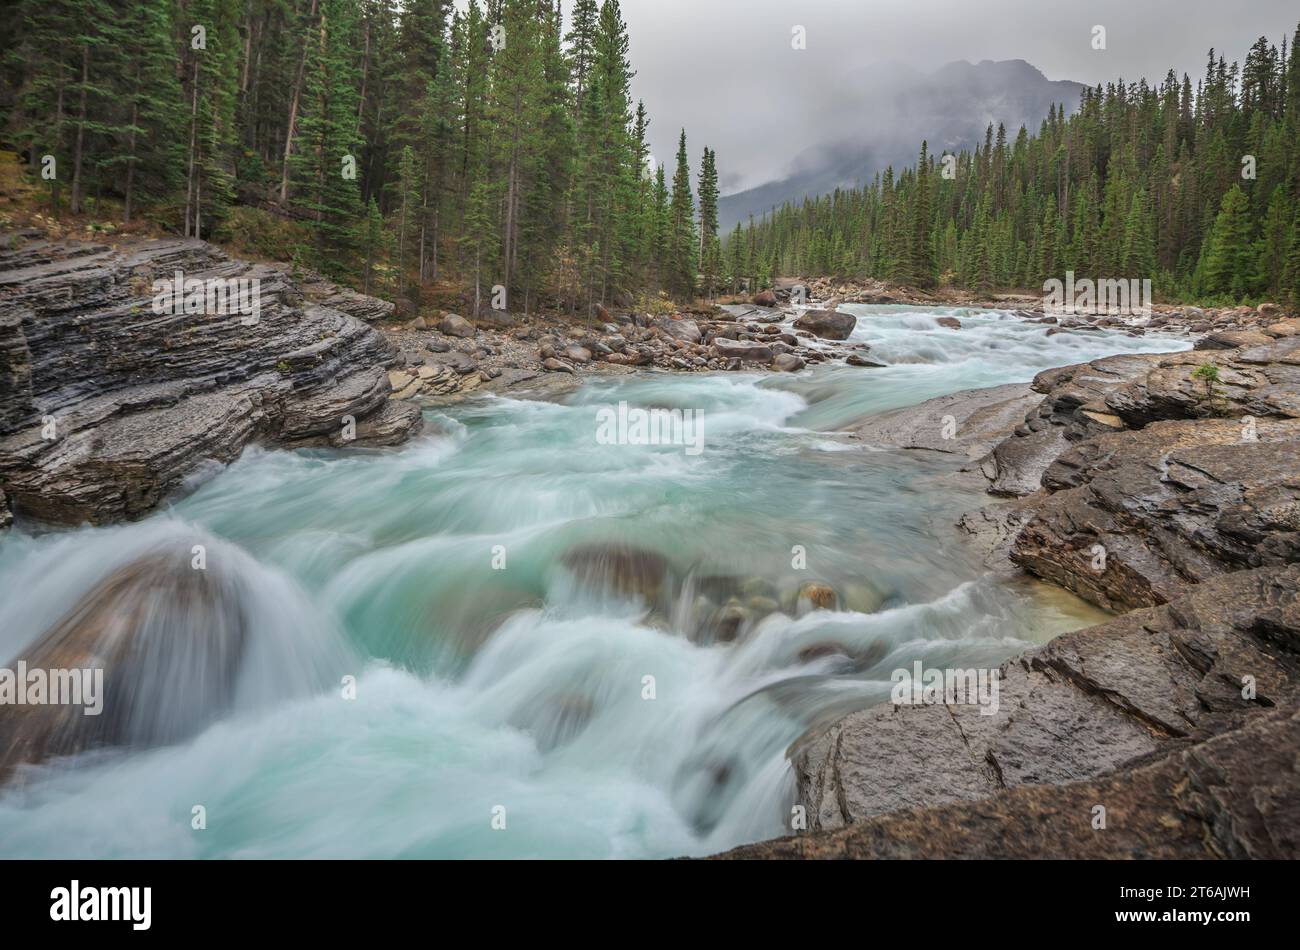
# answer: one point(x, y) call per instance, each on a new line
point(681, 229)
point(1229, 260)
point(324, 165)
point(710, 250)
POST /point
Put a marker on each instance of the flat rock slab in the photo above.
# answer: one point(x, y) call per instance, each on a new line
point(970, 422)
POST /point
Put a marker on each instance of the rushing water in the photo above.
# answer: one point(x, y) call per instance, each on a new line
point(493, 672)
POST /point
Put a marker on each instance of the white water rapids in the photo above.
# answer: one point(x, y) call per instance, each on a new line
point(522, 686)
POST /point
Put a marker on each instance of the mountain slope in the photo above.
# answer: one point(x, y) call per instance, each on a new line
point(889, 110)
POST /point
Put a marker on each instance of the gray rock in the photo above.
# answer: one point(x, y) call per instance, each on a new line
point(141, 398)
point(853, 359)
point(1232, 796)
point(827, 324)
point(460, 362)
point(681, 329)
point(453, 325)
point(745, 350)
point(1088, 703)
point(970, 422)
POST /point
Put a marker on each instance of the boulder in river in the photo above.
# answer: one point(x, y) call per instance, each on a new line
point(853, 359)
point(827, 324)
point(621, 568)
point(170, 641)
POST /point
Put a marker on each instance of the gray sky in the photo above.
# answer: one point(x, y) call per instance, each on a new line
point(726, 71)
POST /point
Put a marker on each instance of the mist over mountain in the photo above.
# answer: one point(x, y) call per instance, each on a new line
point(882, 112)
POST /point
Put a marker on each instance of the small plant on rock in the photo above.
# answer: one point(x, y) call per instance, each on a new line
point(1208, 374)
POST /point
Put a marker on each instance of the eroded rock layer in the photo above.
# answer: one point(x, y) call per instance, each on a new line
point(107, 404)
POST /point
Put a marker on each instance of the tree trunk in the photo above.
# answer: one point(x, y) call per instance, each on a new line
point(293, 115)
point(81, 132)
point(194, 131)
point(365, 72)
point(130, 166)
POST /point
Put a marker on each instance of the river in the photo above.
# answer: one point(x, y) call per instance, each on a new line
point(557, 648)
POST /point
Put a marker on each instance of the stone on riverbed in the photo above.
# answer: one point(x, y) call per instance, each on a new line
point(623, 569)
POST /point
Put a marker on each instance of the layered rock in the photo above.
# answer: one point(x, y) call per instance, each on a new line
point(1234, 796)
point(1084, 704)
point(1167, 485)
point(108, 404)
point(970, 422)
point(1134, 517)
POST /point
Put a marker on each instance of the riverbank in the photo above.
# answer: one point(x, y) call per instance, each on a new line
point(1147, 491)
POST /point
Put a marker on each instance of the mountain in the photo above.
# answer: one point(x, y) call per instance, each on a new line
point(887, 110)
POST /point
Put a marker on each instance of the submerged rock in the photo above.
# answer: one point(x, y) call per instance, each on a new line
point(621, 568)
point(170, 641)
point(816, 595)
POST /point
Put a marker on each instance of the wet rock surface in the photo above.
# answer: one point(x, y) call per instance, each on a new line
point(130, 626)
point(1233, 796)
point(1115, 714)
point(107, 405)
point(970, 422)
point(828, 324)
point(1144, 483)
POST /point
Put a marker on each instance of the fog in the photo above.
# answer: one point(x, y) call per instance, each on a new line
point(726, 71)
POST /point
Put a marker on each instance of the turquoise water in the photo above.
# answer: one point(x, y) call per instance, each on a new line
point(466, 583)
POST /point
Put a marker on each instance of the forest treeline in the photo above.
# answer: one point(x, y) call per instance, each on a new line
point(384, 143)
point(1198, 190)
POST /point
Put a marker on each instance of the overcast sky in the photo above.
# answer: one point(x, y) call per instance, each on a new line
point(726, 71)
